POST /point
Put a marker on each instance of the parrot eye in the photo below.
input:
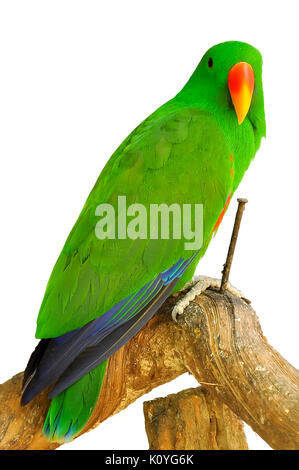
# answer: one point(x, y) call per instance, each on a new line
point(210, 62)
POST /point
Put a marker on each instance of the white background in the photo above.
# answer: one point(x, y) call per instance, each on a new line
point(76, 77)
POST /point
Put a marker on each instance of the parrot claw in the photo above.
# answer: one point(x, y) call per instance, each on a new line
point(198, 285)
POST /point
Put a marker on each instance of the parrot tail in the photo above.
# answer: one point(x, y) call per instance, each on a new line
point(74, 363)
point(71, 409)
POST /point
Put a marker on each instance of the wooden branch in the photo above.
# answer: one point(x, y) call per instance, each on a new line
point(192, 420)
point(147, 361)
point(224, 345)
point(218, 340)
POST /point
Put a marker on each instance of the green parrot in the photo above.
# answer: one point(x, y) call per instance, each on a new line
point(193, 150)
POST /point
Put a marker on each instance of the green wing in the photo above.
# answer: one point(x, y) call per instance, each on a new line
point(177, 155)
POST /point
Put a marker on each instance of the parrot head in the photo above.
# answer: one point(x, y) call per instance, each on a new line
point(228, 82)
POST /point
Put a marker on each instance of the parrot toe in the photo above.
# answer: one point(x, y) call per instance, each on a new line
point(198, 285)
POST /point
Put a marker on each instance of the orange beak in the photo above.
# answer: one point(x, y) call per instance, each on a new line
point(241, 86)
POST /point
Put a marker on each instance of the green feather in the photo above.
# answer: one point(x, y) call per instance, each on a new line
point(70, 410)
point(114, 269)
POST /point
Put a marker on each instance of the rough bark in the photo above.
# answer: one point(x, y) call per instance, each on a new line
point(192, 420)
point(218, 340)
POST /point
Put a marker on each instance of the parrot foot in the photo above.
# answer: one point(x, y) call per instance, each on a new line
point(198, 285)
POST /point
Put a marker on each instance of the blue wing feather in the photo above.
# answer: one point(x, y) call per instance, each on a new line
point(61, 352)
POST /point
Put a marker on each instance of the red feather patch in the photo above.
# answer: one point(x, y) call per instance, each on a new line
point(219, 220)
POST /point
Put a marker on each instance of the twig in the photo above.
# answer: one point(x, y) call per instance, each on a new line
point(232, 245)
